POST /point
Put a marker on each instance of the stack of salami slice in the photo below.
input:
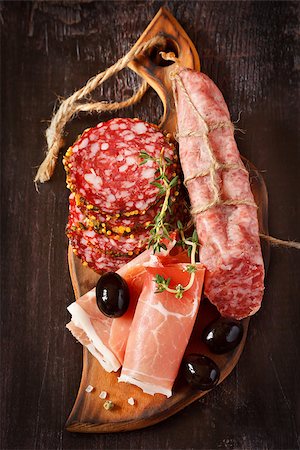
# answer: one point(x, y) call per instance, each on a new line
point(112, 200)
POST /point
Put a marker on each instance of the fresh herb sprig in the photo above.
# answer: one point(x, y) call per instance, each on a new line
point(159, 229)
point(163, 284)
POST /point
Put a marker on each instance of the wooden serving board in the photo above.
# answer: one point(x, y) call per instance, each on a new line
point(88, 414)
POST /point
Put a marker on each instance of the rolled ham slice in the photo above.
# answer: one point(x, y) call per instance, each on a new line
point(92, 329)
point(227, 230)
point(160, 330)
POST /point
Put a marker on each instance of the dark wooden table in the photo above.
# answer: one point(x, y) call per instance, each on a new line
point(50, 49)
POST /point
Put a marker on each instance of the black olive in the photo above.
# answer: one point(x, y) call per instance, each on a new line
point(223, 335)
point(201, 372)
point(112, 295)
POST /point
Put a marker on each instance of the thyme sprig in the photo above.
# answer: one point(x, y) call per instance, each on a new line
point(163, 284)
point(159, 229)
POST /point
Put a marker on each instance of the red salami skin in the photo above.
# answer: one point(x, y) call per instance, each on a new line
point(229, 234)
point(103, 166)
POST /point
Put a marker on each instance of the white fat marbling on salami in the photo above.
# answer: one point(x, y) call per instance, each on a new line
point(83, 143)
point(94, 180)
point(123, 168)
point(139, 128)
point(95, 148)
point(117, 177)
point(129, 137)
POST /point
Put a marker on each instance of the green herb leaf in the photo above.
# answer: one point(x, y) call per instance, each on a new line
point(158, 185)
point(173, 182)
point(168, 160)
point(179, 225)
point(195, 237)
point(179, 291)
point(191, 268)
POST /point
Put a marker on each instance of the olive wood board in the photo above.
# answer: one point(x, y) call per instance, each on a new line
point(88, 414)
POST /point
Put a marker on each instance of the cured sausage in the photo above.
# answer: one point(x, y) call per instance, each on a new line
point(222, 203)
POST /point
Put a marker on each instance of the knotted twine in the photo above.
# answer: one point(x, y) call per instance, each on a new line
point(77, 103)
point(215, 165)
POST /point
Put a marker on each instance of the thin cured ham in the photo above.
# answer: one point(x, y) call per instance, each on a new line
point(160, 330)
point(92, 329)
point(104, 337)
point(222, 202)
point(134, 273)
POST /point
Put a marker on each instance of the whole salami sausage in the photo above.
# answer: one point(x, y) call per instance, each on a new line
point(222, 203)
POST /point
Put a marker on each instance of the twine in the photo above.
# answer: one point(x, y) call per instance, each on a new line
point(218, 166)
point(279, 242)
point(71, 106)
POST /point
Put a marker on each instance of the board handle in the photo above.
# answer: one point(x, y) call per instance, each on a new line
point(155, 70)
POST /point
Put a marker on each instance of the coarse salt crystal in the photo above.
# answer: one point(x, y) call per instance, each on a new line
point(131, 401)
point(103, 394)
point(89, 388)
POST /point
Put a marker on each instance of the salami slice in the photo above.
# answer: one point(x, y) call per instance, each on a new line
point(103, 166)
point(222, 202)
point(107, 243)
point(117, 224)
point(92, 255)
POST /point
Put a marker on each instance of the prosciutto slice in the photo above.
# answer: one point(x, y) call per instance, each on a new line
point(160, 330)
point(212, 167)
point(92, 329)
point(104, 337)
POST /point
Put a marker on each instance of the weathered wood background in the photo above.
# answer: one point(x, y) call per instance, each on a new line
point(49, 49)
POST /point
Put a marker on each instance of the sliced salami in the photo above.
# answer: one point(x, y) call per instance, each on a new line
point(121, 225)
point(103, 166)
point(92, 256)
point(222, 202)
point(107, 243)
point(125, 223)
